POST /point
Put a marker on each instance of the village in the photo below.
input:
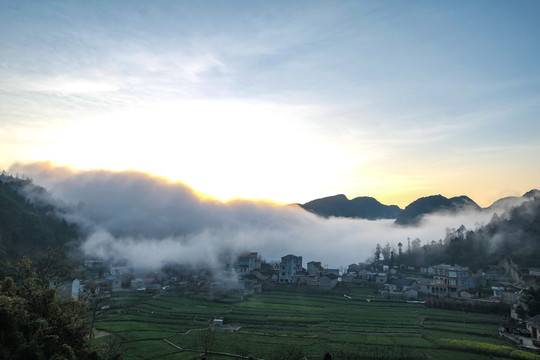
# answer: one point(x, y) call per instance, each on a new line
point(499, 288)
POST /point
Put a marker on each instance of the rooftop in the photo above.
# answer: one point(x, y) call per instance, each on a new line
point(535, 321)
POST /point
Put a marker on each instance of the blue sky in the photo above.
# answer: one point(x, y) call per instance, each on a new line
point(280, 100)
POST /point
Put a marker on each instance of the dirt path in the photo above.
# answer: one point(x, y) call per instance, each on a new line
point(99, 333)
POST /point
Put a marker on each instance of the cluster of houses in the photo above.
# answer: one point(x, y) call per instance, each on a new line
point(249, 274)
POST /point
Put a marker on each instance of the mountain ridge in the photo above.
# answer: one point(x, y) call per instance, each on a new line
point(369, 208)
point(363, 207)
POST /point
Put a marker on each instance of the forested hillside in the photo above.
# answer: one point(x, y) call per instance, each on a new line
point(516, 234)
point(28, 228)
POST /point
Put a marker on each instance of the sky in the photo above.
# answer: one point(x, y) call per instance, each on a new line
point(279, 100)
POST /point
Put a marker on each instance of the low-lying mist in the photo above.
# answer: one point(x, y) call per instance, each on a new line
point(151, 221)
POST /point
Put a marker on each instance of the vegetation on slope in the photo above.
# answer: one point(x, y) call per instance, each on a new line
point(35, 323)
point(516, 235)
point(29, 228)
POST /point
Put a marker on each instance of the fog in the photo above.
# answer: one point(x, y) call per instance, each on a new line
point(151, 221)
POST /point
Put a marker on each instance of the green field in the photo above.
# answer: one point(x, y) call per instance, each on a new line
point(296, 322)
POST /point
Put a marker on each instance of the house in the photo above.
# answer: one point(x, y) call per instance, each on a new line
point(137, 283)
point(328, 281)
point(67, 289)
point(497, 291)
point(507, 293)
point(451, 280)
point(114, 283)
point(314, 268)
point(325, 282)
point(331, 271)
point(354, 268)
point(246, 263)
point(448, 281)
point(288, 268)
point(410, 293)
point(119, 268)
point(398, 285)
point(533, 325)
point(401, 288)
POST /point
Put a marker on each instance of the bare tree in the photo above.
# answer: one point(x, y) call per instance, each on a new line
point(208, 340)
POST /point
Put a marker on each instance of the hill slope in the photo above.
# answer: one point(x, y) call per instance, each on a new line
point(515, 235)
point(28, 228)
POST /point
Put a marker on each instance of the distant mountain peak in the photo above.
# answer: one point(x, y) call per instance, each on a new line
point(362, 207)
point(414, 212)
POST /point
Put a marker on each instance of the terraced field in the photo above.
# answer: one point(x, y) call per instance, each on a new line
point(291, 323)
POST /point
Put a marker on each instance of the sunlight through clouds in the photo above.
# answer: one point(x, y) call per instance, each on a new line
point(228, 148)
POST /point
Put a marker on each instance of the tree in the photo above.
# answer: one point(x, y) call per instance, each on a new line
point(208, 340)
point(35, 323)
point(54, 264)
point(378, 252)
point(400, 246)
point(532, 301)
point(386, 251)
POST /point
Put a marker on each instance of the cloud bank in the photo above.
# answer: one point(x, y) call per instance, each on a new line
point(151, 221)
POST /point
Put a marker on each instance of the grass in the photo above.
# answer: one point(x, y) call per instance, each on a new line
point(311, 322)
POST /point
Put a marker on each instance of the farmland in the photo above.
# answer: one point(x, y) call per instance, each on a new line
point(290, 323)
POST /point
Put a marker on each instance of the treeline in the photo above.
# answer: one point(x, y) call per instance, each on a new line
point(468, 306)
point(29, 228)
point(516, 234)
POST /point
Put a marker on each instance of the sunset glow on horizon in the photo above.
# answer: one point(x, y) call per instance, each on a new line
point(286, 102)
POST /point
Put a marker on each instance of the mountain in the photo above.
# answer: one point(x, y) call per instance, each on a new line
point(413, 213)
point(505, 204)
point(28, 227)
point(360, 207)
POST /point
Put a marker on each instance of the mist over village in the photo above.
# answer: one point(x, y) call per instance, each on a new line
point(269, 180)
